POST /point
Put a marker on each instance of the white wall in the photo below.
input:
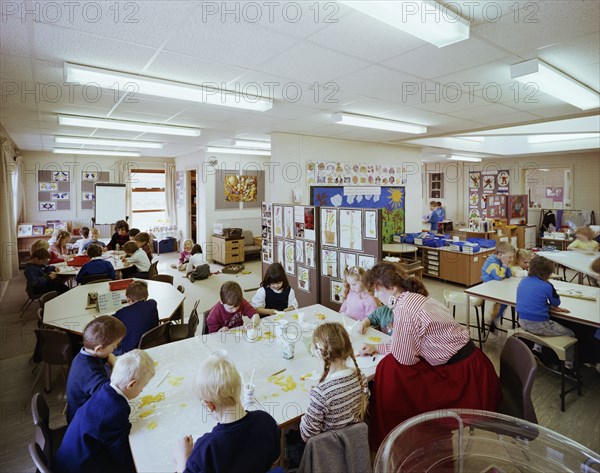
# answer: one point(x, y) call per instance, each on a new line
point(290, 153)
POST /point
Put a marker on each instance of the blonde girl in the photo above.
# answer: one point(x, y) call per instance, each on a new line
point(341, 397)
point(58, 249)
point(584, 240)
point(358, 301)
point(519, 265)
point(184, 256)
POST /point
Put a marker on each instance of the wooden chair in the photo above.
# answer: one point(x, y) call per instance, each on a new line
point(153, 271)
point(517, 374)
point(37, 455)
point(155, 337)
point(204, 324)
point(181, 289)
point(183, 331)
point(50, 438)
point(163, 278)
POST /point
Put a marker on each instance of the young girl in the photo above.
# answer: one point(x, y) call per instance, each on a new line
point(196, 260)
point(358, 302)
point(58, 249)
point(584, 240)
point(520, 263)
point(184, 256)
point(85, 238)
point(275, 293)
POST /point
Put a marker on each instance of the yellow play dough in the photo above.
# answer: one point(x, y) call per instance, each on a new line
point(143, 415)
point(375, 339)
point(152, 425)
point(150, 399)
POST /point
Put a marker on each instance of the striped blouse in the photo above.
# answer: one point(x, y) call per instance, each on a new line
point(334, 403)
point(423, 327)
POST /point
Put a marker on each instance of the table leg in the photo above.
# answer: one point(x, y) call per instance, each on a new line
point(469, 314)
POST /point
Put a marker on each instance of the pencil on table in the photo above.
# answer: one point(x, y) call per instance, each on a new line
point(279, 372)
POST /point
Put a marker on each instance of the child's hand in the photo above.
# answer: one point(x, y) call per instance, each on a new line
point(52, 275)
point(224, 329)
point(111, 359)
point(362, 327)
point(182, 452)
point(559, 309)
point(367, 349)
point(287, 309)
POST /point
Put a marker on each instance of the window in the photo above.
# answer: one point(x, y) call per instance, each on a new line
point(147, 198)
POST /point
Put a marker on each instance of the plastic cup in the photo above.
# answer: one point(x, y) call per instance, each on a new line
point(248, 393)
point(251, 334)
point(307, 339)
point(300, 318)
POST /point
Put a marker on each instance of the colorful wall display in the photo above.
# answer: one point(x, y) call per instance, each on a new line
point(481, 185)
point(354, 174)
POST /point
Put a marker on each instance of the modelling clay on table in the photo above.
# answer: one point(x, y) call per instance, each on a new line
point(150, 399)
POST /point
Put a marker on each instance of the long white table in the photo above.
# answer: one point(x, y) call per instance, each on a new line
point(505, 292)
point(158, 426)
point(72, 271)
point(578, 261)
point(68, 311)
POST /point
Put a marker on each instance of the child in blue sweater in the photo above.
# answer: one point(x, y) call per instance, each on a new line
point(91, 366)
point(242, 441)
point(497, 268)
point(96, 266)
point(41, 277)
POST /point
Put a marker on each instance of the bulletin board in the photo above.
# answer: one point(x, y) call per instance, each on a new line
point(88, 193)
point(54, 190)
point(481, 185)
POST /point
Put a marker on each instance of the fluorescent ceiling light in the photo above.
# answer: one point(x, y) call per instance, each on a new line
point(556, 83)
point(464, 158)
point(478, 139)
point(109, 124)
point(80, 140)
point(98, 152)
point(253, 144)
point(377, 123)
point(131, 83)
point(256, 152)
point(427, 20)
point(561, 137)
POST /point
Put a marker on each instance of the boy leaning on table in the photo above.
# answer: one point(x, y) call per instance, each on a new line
point(97, 440)
point(242, 441)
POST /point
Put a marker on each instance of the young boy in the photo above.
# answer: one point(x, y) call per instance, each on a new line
point(133, 232)
point(121, 235)
point(241, 441)
point(136, 261)
point(228, 312)
point(143, 241)
point(138, 317)
point(496, 268)
point(41, 277)
point(90, 368)
point(97, 440)
point(85, 238)
point(96, 265)
point(94, 240)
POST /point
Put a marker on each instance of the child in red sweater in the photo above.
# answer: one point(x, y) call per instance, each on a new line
point(228, 312)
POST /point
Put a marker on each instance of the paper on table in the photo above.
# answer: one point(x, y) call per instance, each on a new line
point(590, 294)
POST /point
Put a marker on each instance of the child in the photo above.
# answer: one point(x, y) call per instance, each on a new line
point(133, 232)
point(241, 441)
point(136, 262)
point(39, 245)
point(520, 263)
point(441, 213)
point(97, 439)
point(185, 255)
point(121, 235)
point(94, 240)
point(58, 249)
point(90, 367)
point(275, 293)
point(40, 277)
point(584, 240)
point(143, 241)
point(96, 265)
point(596, 268)
point(496, 268)
point(382, 318)
point(228, 312)
point(433, 217)
point(85, 238)
point(358, 301)
point(197, 261)
point(138, 317)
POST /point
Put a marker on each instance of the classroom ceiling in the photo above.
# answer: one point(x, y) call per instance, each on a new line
point(332, 59)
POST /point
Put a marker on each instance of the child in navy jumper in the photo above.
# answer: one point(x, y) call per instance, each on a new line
point(96, 265)
point(275, 293)
point(138, 317)
point(97, 440)
point(91, 367)
point(242, 441)
point(497, 268)
point(41, 277)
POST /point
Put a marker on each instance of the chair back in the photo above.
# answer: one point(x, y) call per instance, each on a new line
point(40, 414)
point(46, 297)
point(155, 337)
point(153, 271)
point(517, 373)
point(162, 278)
point(193, 321)
point(55, 346)
point(94, 278)
point(204, 324)
point(38, 457)
point(31, 293)
point(181, 289)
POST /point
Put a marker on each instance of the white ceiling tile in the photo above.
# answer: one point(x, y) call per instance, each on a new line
point(483, 12)
point(511, 118)
point(200, 113)
point(486, 76)
point(14, 37)
point(556, 111)
point(409, 114)
point(576, 52)
point(145, 105)
point(484, 111)
point(369, 107)
point(15, 69)
point(588, 75)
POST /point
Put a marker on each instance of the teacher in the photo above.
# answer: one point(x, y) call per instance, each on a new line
point(431, 362)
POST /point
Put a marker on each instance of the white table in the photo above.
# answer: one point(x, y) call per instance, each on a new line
point(68, 311)
point(153, 438)
point(400, 249)
point(578, 261)
point(505, 292)
point(72, 271)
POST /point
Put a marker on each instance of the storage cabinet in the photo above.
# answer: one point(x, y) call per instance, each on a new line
point(526, 236)
point(227, 250)
point(461, 268)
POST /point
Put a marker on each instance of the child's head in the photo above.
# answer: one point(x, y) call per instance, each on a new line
point(187, 245)
point(433, 205)
point(130, 247)
point(132, 372)
point(584, 234)
point(141, 238)
point(102, 335)
point(231, 296)
point(137, 291)
point(84, 232)
point(275, 277)
point(196, 249)
point(63, 237)
point(39, 245)
point(94, 234)
point(218, 384)
point(41, 256)
point(505, 252)
point(94, 251)
point(596, 267)
point(133, 232)
point(121, 227)
point(541, 267)
point(439, 204)
point(354, 279)
point(523, 258)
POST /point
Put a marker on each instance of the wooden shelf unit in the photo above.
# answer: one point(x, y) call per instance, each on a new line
point(461, 268)
point(526, 236)
point(24, 244)
point(227, 250)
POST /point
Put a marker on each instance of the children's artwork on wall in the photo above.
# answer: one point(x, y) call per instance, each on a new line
point(351, 229)
point(483, 183)
point(289, 266)
point(329, 227)
point(347, 260)
point(47, 205)
point(474, 180)
point(300, 251)
point(278, 220)
point(240, 188)
point(371, 224)
point(89, 176)
point(48, 186)
point(89, 179)
point(299, 230)
point(309, 223)
point(61, 176)
point(329, 263)
point(38, 230)
point(59, 195)
point(288, 222)
point(54, 190)
point(24, 230)
point(365, 174)
point(337, 291)
point(89, 196)
point(489, 184)
point(280, 257)
point(309, 252)
point(503, 181)
point(303, 279)
point(366, 262)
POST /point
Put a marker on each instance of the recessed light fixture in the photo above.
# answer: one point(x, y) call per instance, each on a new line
point(533, 139)
point(464, 158)
point(96, 152)
point(110, 124)
point(208, 94)
point(256, 152)
point(426, 20)
point(377, 123)
point(556, 83)
point(81, 140)
point(253, 144)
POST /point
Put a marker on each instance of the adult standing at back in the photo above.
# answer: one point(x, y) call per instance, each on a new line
point(121, 235)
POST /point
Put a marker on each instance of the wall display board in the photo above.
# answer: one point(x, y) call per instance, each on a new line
point(481, 185)
point(354, 174)
point(267, 232)
point(88, 181)
point(391, 201)
point(54, 190)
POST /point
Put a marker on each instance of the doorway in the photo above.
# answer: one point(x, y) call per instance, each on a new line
point(192, 205)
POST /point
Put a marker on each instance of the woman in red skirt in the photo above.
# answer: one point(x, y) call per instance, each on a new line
point(431, 362)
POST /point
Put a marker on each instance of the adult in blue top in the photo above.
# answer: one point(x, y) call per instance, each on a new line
point(433, 217)
point(96, 265)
